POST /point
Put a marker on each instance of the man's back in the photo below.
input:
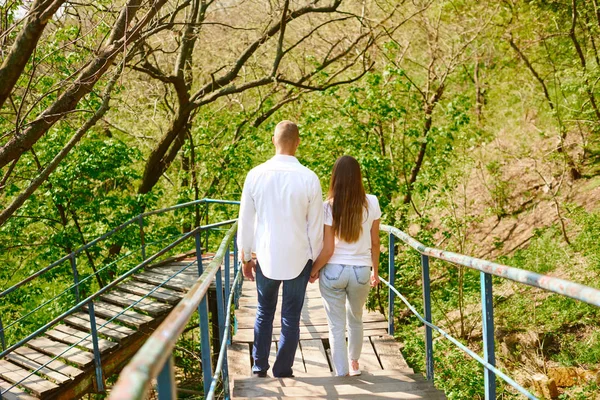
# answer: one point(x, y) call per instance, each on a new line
point(283, 196)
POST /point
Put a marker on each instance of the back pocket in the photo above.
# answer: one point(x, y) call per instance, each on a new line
point(362, 274)
point(333, 271)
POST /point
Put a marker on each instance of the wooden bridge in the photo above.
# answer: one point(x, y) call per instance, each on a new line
point(152, 294)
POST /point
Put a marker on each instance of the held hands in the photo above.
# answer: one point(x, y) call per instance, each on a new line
point(314, 275)
point(374, 278)
point(249, 270)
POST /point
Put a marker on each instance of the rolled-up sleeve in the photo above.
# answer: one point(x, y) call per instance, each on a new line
point(315, 218)
point(246, 221)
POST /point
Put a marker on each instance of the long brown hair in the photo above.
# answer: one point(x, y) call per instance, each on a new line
point(347, 198)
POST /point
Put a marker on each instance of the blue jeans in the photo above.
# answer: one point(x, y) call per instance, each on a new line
point(294, 291)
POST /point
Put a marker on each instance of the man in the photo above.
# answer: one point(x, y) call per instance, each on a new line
point(281, 213)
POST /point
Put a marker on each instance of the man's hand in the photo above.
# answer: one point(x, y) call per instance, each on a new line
point(249, 268)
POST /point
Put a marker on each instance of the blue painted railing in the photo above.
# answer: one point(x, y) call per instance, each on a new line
point(155, 359)
point(89, 301)
point(487, 269)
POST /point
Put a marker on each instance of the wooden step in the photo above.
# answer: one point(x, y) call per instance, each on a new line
point(33, 383)
point(156, 279)
point(309, 332)
point(139, 303)
point(388, 352)
point(111, 330)
point(129, 317)
point(68, 335)
point(424, 394)
point(335, 389)
point(326, 379)
point(142, 289)
point(31, 365)
point(78, 357)
point(43, 359)
point(15, 393)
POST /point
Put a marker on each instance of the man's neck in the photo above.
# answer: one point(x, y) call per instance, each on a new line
point(282, 153)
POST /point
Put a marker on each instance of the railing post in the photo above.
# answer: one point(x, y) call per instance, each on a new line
point(222, 313)
point(392, 279)
point(2, 340)
point(75, 275)
point(488, 334)
point(227, 272)
point(427, 307)
point(166, 381)
point(142, 236)
point(204, 331)
point(206, 223)
point(97, 357)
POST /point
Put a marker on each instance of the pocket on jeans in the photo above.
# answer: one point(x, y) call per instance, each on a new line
point(362, 274)
point(333, 271)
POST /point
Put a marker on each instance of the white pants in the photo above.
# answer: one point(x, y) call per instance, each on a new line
point(344, 289)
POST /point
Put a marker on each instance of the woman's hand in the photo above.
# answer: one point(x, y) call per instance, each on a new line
point(374, 278)
point(314, 275)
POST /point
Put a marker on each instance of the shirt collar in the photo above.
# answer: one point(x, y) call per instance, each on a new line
point(285, 158)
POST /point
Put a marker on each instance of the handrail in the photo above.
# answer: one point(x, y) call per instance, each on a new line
point(487, 269)
point(155, 356)
point(110, 233)
point(549, 283)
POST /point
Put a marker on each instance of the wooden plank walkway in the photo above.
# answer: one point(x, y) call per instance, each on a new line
point(73, 374)
point(385, 374)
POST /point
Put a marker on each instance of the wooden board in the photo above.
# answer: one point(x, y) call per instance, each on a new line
point(142, 289)
point(298, 366)
point(124, 299)
point(35, 384)
point(388, 352)
point(109, 329)
point(158, 280)
point(368, 359)
point(246, 318)
point(14, 393)
point(239, 360)
point(68, 335)
point(327, 379)
point(403, 390)
point(176, 280)
point(71, 354)
point(128, 317)
point(55, 365)
point(315, 358)
point(31, 365)
point(306, 331)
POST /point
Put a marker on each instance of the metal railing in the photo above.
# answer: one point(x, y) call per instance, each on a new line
point(154, 360)
point(487, 269)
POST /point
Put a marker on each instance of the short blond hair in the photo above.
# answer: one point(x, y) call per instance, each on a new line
point(286, 135)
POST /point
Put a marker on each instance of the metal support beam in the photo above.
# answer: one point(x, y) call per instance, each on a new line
point(427, 310)
point(392, 279)
point(97, 356)
point(2, 340)
point(167, 389)
point(488, 334)
point(222, 313)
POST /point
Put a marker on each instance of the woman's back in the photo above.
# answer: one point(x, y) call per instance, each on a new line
point(359, 252)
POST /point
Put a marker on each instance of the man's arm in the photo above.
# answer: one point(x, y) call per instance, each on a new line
point(315, 218)
point(247, 217)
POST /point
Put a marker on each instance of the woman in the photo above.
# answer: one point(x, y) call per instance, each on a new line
point(350, 249)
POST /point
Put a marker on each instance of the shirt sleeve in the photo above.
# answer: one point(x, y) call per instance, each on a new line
point(376, 209)
point(246, 220)
point(327, 214)
point(315, 218)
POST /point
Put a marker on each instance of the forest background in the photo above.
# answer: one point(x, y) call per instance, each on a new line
point(477, 124)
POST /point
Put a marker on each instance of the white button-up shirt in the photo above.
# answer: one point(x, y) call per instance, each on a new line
point(281, 213)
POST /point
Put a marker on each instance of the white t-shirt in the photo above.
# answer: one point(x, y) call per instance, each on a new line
point(359, 252)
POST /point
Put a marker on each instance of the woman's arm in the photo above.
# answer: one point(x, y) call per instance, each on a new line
point(326, 253)
point(375, 250)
